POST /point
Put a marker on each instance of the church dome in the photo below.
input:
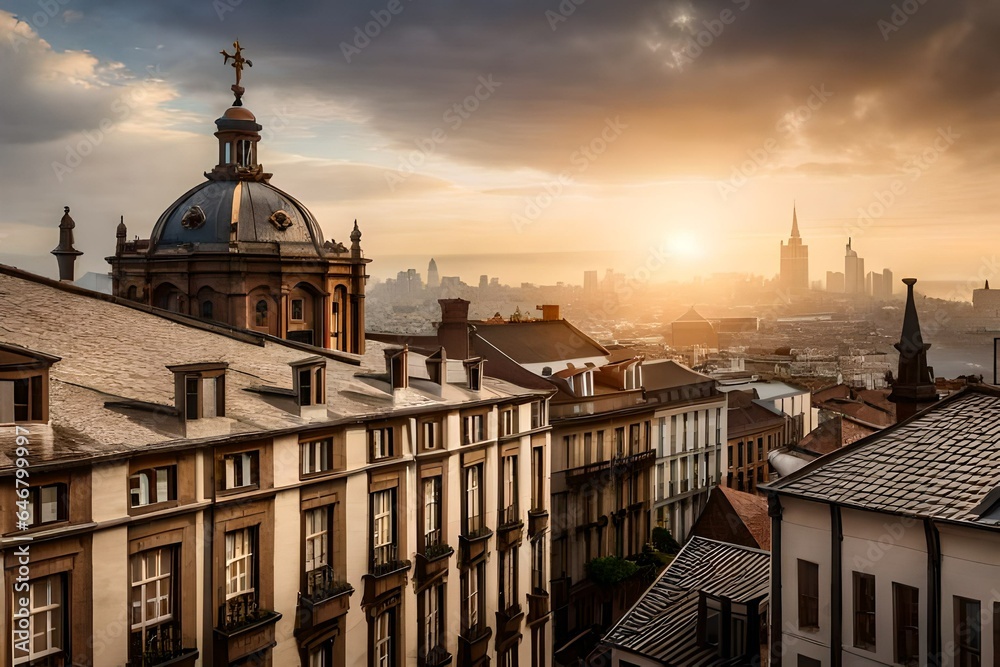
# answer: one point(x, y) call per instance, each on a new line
point(250, 216)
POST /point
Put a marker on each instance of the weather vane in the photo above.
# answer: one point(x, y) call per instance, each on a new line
point(238, 62)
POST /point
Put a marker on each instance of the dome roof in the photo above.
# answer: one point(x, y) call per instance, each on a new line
point(256, 216)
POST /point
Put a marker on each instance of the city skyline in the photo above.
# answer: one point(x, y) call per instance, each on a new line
point(104, 86)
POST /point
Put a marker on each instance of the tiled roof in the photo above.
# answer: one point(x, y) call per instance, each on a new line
point(938, 464)
point(745, 415)
point(752, 510)
point(663, 623)
point(540, 341)
point(113, 352)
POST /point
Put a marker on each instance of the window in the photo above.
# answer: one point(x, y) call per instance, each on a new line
point(508, 580)
point(207, 310)
point(864, 611)
point(154, 485)
point(713, 620)
point(322, 655)
point(508, 658)
point(317, 551)
point(45, 504)
point(538, 567)
point(806, 661)
point(473, 429)
point(21, 400)
point(508, 490)
point(310, 385)
point(432, 512)
point(240, 563)
point(508, 421)
point(260, 312)
point(538, 478)
point(475, 372)
point(808, 595)
point(906, 624)
point(474, 501)
point(429, 435)
point(153, 602)
point(718, 426)
point(383, 640)
point(240, 470)
point(46, 623)
point(317, 456)
point(298, 310)
point(968, 632)
point(204, 395)
point(473, 609)
point(537, 414)
point(244, 151)
point(760, 449)
point(380, 441)
point(634, 438)
point(383, 530)
point(432, 621)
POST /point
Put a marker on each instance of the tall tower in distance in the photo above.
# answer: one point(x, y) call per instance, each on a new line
point(794, 259)
point(854, 271)
point(433, 279)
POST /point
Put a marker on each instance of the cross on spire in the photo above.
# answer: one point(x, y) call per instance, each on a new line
point(238, 63)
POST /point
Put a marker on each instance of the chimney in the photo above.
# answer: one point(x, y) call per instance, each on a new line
point(913, 387)
point(549, 312)
point(453, 332)
point(65, 253)
point(437, 367)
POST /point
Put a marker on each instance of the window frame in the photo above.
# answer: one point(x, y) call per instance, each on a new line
point(250, 467)
point(315, 457)
point(865, 605)
point(382, 443)
point(149, 628)
point(904, 625)
point(474, 523)
point(56, 615)
point(152, 495)
point(248, 541)
point(36, 504)
point(808, 595)
point(432, 514)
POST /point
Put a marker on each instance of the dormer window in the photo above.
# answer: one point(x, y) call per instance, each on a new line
point(200, 390)
point(397, 365)
point(474, 374)
point(633, 376)
point(583, 384)
point(310, 381)
point(24, 379)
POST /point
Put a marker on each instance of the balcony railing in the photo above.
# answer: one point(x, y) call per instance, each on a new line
point(162, 644)
point(432, 539)
point(508, 516)
point(619, 465)
point(322, 584)
point(385, 560)
point(241, 611)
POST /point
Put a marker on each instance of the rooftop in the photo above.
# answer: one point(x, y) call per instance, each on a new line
point(112, 394)
point(663, 623)
point(540, 341)
point(668, 374)
point(940, 464)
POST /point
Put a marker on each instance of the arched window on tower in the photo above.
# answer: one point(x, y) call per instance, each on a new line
point(244, 153)
point(207, 310)
point(261, 311)
point(133, 293)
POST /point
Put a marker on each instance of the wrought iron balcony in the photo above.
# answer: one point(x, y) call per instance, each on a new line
point(162, 646)
point(241, 611)
point(322, 584)
point(385, 560)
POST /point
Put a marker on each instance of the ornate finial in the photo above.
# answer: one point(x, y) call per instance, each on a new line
point(356, 233)
point(238, 62)
point(65, 253)
point(122, 230)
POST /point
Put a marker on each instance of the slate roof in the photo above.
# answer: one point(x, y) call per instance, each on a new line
point(540, 341)
point(746, 415)
point(669, 374)
point(113, 351)
point(663, 623)
point(939, 464)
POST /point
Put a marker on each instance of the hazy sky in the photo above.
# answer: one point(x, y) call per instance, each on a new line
point(684, 128)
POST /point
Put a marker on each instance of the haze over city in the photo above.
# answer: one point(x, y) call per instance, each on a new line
point(524, 127)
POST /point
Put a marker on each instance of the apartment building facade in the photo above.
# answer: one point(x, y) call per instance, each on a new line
point(197, 496)
point(885, 552)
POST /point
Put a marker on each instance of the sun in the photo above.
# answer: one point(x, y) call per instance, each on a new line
point(683, 245)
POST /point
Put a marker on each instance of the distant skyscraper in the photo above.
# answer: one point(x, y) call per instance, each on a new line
point(484, 281)
point(854, 271)
point(433, 280)
point(794, 259)
point(887, 283)
point(834, 281)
